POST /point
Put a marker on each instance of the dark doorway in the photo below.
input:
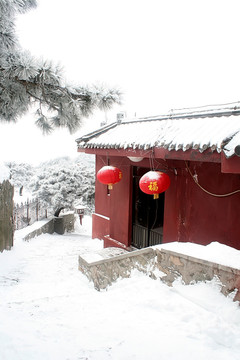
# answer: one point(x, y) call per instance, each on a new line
point(148, 214)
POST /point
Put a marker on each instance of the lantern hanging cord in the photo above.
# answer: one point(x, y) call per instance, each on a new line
point(206, 191)
point(151, 160)
point(162, 165)
point(156, 213)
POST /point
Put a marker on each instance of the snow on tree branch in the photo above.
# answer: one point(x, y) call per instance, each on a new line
point(26, 81)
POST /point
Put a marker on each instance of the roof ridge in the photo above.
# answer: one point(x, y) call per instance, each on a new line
point(97, 132)
point(188, 115)
point(219, 108)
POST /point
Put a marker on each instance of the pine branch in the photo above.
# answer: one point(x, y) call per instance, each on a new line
point(24, 80)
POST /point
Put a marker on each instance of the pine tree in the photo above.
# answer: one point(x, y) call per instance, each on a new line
point(26, 81)
point(64, 182)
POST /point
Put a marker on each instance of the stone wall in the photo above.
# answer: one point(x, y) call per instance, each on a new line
point(104, 272)
point(160, 264)
point(6, 215)
point(48, 228)
point(60, 225)
point(192, 269)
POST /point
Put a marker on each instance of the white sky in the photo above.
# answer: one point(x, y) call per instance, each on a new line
point(161, 54)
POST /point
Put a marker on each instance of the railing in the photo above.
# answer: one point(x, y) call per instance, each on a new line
point(155, 236)
point(29, 212)
point(139, 236)
point(143, 237)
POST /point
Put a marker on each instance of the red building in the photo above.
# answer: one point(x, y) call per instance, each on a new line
point(198, 149)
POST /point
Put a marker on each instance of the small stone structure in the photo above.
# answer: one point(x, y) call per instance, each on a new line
point(6, 215)
point(159, 264)
point(64, 223)
point(106, 271)
point(60, 225)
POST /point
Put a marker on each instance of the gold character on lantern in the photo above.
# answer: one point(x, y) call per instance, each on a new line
point(153, 186)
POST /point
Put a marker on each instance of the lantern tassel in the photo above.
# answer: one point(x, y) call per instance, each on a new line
point(155, 196)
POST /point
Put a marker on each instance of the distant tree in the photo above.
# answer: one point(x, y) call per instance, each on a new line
point(26, 81)
point(61, 182)
point(64, 183)
point(20, 173)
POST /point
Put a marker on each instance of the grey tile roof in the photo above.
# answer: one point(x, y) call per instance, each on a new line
point(216, 128)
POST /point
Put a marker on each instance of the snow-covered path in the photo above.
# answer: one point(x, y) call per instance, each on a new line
point(49, 310)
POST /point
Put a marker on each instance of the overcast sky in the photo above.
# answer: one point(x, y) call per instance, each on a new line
point(161, 54)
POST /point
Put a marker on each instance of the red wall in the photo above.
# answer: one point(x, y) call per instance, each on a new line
point(190, 214)
point(100, 226)
point(121, 208)
point(114, 204)
point(102, 198)
point(101, 220)
point(194, 216)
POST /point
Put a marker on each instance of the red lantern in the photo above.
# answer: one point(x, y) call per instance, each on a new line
point(154, 183)
point(109, 175)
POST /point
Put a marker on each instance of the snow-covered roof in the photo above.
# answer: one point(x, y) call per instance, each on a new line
point(216, 128)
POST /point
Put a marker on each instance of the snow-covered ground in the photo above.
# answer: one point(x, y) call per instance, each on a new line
point(50, 311)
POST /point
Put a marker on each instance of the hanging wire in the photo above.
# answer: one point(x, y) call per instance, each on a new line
point(104, 162)
point(206, 191)
point(163, 165)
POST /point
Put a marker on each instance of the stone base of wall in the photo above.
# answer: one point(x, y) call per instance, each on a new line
point(160, 264)
point(109, 242)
